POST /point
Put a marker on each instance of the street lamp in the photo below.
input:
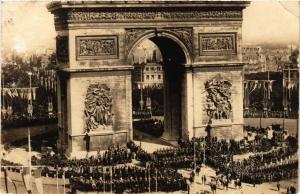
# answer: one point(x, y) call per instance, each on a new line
point(30, 108)
point(30, 111)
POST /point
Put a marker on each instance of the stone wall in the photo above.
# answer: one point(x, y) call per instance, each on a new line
point(220, 126)
point(119, 83)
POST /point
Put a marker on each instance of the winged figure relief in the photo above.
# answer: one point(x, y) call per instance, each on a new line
point(98, 106)
point(218, 104)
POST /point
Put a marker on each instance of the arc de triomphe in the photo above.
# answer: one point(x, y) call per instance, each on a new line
point(203, 71)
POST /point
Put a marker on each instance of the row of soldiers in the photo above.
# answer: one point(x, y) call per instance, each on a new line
point(114, 155)
point(215, 153)
point(132, 179)
point(277, 173)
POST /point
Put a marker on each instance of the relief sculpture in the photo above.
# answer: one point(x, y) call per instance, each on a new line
point(218, 105)
point(132, 35)
point(100, 15)
point(216, 44)
point(98, 107)
point(186, 35)
point(96, 47)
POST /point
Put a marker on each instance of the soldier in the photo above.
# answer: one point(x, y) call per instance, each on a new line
point(278, 186)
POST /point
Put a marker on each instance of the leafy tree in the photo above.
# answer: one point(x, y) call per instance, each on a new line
point(294, 57)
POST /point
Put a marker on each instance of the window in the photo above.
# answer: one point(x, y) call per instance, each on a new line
point(152, 76)
point(159, 76)
point(147, 68)
point(158, 68)
point(152, 68)
point(147, 77)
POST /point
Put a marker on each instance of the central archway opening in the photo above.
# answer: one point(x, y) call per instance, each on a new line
point(157, 88)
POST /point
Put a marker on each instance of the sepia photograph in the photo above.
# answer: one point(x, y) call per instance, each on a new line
point(128, 97)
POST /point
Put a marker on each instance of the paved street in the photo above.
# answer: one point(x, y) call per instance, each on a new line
point(265, 188)
point(150, 146)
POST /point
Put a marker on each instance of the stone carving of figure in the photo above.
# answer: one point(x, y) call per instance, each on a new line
point(98, 106)
point(98, 47)
point(218, 105)
point(217, 43)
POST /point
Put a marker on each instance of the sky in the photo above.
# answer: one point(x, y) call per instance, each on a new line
point(27, 26)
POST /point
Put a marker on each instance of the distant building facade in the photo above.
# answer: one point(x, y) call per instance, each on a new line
point(254, 59)
point(260, 59)
point(148, 67)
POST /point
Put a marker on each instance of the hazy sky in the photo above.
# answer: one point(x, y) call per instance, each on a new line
point(28, 25)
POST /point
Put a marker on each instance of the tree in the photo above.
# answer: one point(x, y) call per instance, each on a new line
point(294, 57)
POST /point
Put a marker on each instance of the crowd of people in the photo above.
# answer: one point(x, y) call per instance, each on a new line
point(153, 127)
point(114, 155)
point(268, 166)
point(110, 170)
point(128, 178)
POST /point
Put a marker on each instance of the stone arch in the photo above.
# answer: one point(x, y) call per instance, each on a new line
point(148, 34)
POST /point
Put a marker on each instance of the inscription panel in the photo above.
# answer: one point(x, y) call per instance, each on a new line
point(96, 47)
point(217, 44)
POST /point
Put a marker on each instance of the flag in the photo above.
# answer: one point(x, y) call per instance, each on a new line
point(52, 83)
point(29, 94)
point(46, 83)
point(9, 93)
point(259, 84)
point(49, 83)
point(64, 181)
point(284, 83)
point(270, 85)
point(253, 85)
point(5, 180)
point(34, 93)
point(14, 92)
point(55, 85)
point(26, 179)
point(39, 180)
point(42, 81)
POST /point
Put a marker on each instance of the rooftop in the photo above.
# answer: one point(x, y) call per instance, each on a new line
point(123, 4)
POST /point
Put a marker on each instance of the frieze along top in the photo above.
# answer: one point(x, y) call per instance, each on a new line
point(76, 12)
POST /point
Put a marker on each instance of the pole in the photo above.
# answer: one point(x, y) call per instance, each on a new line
point(141, 101)
point(156, 180)
point(260, 120)
point(29, 160)
point(2, 89)
point(111, 191)
point(104, 179)
point(64, 179)
point(194, 136)
point(29, 140)
point(204, 153)
point(57, 191)
point(149, 179)
point(268, 94)
point(289, 92)
point(5, 180)
point(1, 131)
point(283, 98)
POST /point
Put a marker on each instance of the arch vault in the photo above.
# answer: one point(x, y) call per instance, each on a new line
point(94, 40)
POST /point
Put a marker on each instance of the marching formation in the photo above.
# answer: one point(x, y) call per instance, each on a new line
point(114, 169)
